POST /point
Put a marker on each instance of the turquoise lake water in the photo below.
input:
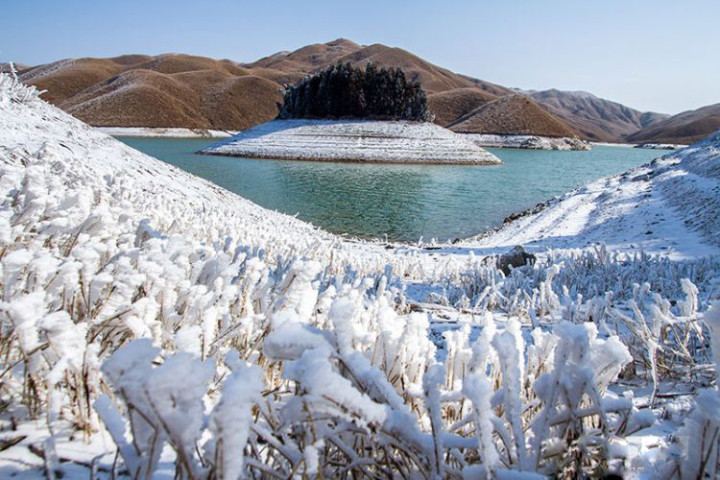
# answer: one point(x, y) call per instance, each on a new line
point(399, 202)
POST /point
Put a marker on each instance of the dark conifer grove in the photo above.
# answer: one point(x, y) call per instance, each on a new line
point(344, 91)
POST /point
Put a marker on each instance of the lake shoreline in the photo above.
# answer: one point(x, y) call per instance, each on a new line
point(198, 133)
point(527, 142)
point(341, 160)
point(162, 132)
point(398, 202)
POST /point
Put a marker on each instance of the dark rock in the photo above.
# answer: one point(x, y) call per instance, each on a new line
point(515, 258)
point(612, 476)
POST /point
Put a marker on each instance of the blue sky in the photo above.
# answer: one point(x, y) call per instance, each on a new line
point(648, 54)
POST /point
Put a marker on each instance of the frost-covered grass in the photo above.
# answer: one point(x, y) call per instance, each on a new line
point(152, 324)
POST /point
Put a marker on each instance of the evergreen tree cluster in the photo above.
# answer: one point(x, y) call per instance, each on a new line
point(344, 91)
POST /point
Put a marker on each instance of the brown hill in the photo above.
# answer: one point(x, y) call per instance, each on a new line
point(319, 56)
point(450, 105)
point(685, 128)
point(278, 76)
point(66, 78)
point(173, 63)
point(196, 92)
point(513, 115)
point(162, 91)
point(432, 78)
point(595, 118)
point(309, 58)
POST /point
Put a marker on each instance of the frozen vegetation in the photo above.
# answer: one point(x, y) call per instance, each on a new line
point(355, 141)
point(155, 326)
point(529, 142)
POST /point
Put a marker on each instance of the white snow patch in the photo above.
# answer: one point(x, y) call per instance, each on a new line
point(165, 132)
point(668, 207)
point(354, 141)
point(530, 142)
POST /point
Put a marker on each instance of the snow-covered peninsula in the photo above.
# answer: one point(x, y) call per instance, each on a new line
point(155, 325)
point(354, 141)
point(529, 142)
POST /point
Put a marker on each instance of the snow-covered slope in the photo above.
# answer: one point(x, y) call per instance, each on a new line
point(670, 206)
point(71, 167)
point(354, 141)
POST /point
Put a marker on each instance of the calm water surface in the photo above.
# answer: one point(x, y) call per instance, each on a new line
point(400, 202)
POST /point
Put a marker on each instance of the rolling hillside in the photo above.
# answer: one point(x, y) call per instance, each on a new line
point(512, 114)
point(449, 106)
point(195, 92)
point(319, 56)
point(595, 118)
point(308, 58)
point(163, 91)
point(176, 90)
point(684, 128)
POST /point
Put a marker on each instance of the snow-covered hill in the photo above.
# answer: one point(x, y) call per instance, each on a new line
point(72, 170)
point(354, 141)
point(670, 206)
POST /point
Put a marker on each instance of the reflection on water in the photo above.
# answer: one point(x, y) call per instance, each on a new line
point(398, 201)
point(386, 201)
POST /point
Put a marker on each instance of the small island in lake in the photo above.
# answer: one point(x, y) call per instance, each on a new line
point(350, 114)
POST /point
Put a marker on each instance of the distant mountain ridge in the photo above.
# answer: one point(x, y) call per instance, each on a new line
point(175, 90)
point(595, 118)
point(316, 57)
point(163, 91)
point(308, 58)
point(684, 128)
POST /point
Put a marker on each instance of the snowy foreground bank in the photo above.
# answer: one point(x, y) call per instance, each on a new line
point(528, 142)
point(354, 141)
point(155, 326)
point(670, 206)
